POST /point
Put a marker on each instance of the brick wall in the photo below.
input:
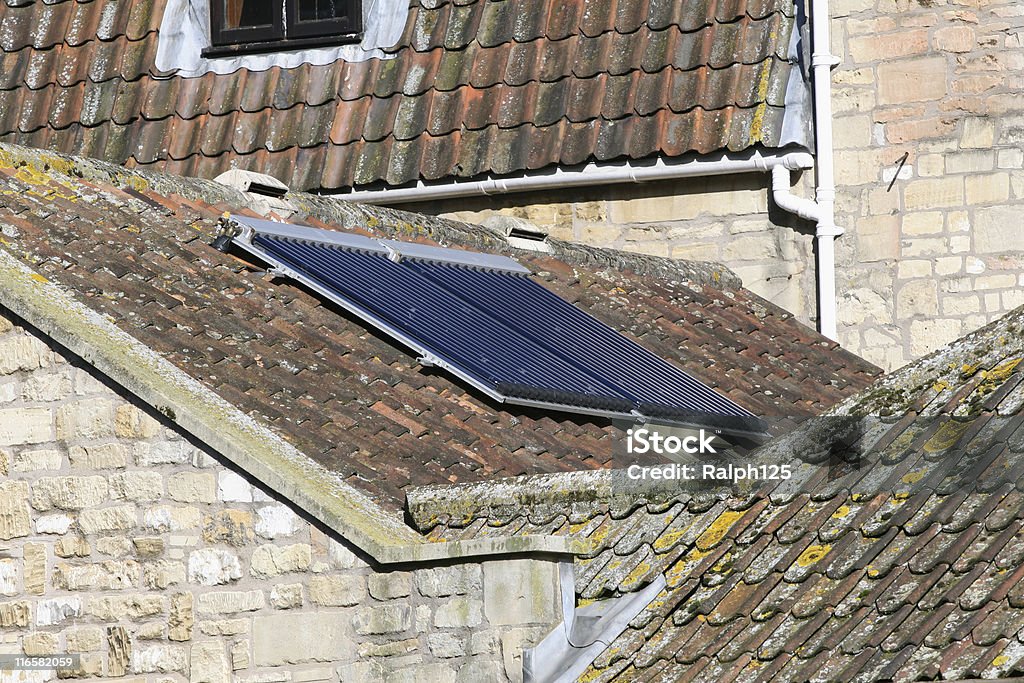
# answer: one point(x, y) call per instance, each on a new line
point(125, 543)
point(938, 255)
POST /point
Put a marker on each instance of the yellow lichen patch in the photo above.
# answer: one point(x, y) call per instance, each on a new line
point(812, 555)
point(913, 477)
point(38, 278)
point(1000, 660)
point(633, 578)
point(135, 182)
point(64, 166)
point(681, 569)
point(948, 434)
point(841, 512)
point(590, 674)
point(668, 539)
point(872, 572)
point(968, 369)
point(940, 386)
point(32, 176)
point(718, 529)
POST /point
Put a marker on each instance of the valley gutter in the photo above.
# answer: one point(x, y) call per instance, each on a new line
point(821, 210)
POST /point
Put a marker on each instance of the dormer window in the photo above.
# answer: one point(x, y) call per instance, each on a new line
point(238, 26)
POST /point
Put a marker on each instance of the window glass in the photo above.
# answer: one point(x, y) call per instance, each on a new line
point(247, 13)
point(312, 10)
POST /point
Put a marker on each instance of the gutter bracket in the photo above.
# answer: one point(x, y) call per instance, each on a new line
point(585, 632)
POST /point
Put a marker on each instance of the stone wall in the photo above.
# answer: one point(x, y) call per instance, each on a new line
point(935, 257)
point(143, 552)
point(942, 253)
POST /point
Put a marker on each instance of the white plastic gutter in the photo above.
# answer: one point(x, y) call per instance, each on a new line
point(588, 175)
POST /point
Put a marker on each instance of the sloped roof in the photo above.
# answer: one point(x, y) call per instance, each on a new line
point(473, 87)
point(909, 568)
point(134, 248)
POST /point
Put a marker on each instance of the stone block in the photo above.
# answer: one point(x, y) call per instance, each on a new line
point(997, 229)
point(229, 602)
point(57, 610)
point(284, 638)
point(43, 388)
point(208, 663)
point(9, 573)
point(917, 298)
point(924, 246)
point(172, 518)
point(276, 521)
point(132, 423)
point(274, 560)
point(87, 419)
point(163, 573)
point(912, 80)
point(990, 188)
point(163, 453)
point(446, 645)
point(382, 619)
point(84, 639)
point(34, 560)
point(34, 461)
point(995, 281)
point(751, 247)
point(521, 592)
point(72, 545)
point(342, 590)
point(137, 486)
point(390, 585)
point(954, 39)
point(15, 520)
point(22, 352)
point(928, 335)
point(40, 644)
point(234, 527)
point(233, 488)
point(106, 456)
point(908, 269)
point(932, 193)
point(119, 651)
point(479, 669)
point(21, 426)
point(160, 659)
point(224, 627)
point(68, 493)
point(460, 612)
point(213, 567)
point(115, 607)
point(443, 581)
point(961, 305)
point(949, 265)
point(192, 487)
point(286, 596)
point(872, 47)
point(974, 161)
point(14, 614)
point(922, 223)
point(103, 520)
point(979, 133)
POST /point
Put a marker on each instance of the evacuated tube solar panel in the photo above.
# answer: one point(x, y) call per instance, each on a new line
point(505, 332)
point(455, 330)
point(568, 332)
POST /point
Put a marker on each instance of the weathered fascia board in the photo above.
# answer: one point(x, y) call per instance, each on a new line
point(245, 442)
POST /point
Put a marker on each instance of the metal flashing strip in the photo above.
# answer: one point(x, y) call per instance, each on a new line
point(584, 633)
point(477, 317)
point(458, 256)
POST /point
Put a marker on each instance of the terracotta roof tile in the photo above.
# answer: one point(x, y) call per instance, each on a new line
point(568, 67)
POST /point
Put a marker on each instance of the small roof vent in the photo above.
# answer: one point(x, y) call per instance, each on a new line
point(266, 193)
point(519, 233)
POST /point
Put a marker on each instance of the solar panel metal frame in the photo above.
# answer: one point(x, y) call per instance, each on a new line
point(748, 424)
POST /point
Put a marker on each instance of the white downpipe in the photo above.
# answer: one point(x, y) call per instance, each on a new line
point(591, 174)
point(822, 62)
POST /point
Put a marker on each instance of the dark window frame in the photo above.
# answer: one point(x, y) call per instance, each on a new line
point(286, 33)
